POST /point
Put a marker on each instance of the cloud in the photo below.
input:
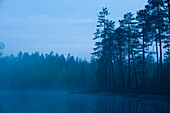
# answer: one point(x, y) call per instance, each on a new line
point(43, 19)
point(74, 20)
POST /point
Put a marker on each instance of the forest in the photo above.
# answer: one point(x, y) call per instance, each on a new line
point(133, 57)
point(49, 72)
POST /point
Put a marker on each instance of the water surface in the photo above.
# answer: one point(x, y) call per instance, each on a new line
point(63, 102)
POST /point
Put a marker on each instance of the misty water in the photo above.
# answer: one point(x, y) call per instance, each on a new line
point(64, 102)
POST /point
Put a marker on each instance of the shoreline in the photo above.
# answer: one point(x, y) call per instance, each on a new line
point(138, 97)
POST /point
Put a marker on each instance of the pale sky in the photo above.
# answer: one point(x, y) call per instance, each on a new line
point(62, 26)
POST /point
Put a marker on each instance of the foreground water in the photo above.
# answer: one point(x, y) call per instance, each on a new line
point(63, 102)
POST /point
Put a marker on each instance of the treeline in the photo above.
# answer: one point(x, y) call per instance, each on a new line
point(45, 72)
point(135, 56)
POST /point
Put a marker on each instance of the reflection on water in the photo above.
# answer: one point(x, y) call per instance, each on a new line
point(52, 102)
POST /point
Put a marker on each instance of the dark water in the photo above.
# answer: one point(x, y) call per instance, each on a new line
point(53, 102)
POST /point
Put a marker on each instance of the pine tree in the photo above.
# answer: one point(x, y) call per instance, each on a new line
point(103, 52)
point(144, 27)
point(129, 25)
point(110, 53)
point(158, 12)
point(120, 40)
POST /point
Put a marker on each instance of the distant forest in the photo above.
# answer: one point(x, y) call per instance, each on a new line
point(49, 72)
point(133, 57)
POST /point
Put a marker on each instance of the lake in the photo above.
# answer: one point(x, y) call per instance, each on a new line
point(63, 102)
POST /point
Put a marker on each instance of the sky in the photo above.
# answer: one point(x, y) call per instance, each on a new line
point(62, 26)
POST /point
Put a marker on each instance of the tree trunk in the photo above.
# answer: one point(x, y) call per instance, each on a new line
point(112, 77)
point(160, 49)
point(104, 54)
point(121, 72)
point(129, 70)
point(160, 46)
point(119, 57)
point(157, 61)
point(129, 67)
point(143, 69)
point(134, 67)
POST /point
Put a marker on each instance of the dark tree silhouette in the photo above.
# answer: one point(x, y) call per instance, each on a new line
point(125, 54)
